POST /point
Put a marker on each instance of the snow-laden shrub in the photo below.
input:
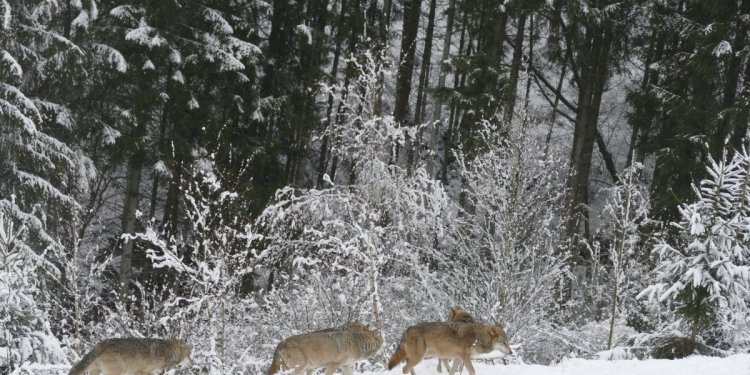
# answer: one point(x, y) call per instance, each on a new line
point(616, 261)
point(204, 274)
point(509, 259)
point(372, 249)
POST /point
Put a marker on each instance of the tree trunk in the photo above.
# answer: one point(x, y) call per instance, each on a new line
point(726, 124)
point(593, 75)
point(637, 132)
point(426, 56)
point(452, 121)
point(438, 107)
point(515, 69)
point(406, 59)
point(130, 206)
point(553, 115)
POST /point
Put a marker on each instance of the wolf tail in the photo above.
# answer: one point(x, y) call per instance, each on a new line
point(397, 357)
point(276, 363)
point(81, 366)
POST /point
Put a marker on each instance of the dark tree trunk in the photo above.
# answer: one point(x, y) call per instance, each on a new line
point(425, 71)
point(130, 206)
point(515, 69)
point(593, 74)
point(636, 136)
point(406, 59)
point(438, 107)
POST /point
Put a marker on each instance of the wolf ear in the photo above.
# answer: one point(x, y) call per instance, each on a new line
point(493, 333)
point(454, 312)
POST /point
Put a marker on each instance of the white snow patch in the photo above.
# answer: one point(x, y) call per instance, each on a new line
point(305, 31)
point(178, 77)
point(220, 25)
point(148, 65)
point(112, 56)
point(696, 365)
point(109, 135)
point(161, 169)
point(81, 21)
point(723, 48)
point(15, 69)
point(193, 104)
point(5, 8)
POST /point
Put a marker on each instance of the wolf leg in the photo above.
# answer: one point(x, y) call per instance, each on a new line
point(454, 366)
point(467, 363)
point(346, 370)
point(411, 362)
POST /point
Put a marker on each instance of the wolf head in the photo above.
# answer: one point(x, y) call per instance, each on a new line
point(181, 353)
point(499, 339)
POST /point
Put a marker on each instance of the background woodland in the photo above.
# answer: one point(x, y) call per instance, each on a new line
point(237, 171)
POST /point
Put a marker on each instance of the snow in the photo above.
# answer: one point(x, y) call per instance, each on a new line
point(5, 8)
point(305, 31)
point(220, 25)
point(81, 21)
point(15, 69)
point(111, 56)
point(698, 365)
point(723, 48)
point(193, 104)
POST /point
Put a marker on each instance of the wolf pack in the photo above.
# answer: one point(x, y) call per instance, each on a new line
point(453, 342)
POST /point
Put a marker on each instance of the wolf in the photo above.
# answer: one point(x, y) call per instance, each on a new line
point(331, 348)
point(449, 340)
point(458, 315)
point(140, 356)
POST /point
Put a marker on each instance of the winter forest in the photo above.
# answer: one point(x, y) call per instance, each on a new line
point(234, 172)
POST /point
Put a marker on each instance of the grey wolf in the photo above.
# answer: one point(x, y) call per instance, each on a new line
point(449, 340)
point(457, 314)
point(132, 355)
point(330, 348)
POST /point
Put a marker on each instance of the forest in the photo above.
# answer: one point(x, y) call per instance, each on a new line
point(233, 172)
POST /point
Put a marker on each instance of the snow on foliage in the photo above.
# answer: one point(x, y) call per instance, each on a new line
point(305, 31)
point(722, 48)
point(106, 54)
point(218, 24)
point(27, 336)
point(4, 15)
point(704, 269)
point(126, 12)
point(10, 67)
point(617, 280)
point(81, 21)
point(212, 257)
point(145, 35)
point(513, 256)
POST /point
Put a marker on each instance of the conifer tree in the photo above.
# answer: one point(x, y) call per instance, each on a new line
point(703, 269)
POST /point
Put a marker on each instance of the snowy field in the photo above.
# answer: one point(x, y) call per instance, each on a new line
point(738, 364)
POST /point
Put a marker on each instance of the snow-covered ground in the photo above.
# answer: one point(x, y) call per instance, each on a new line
point(738, 364)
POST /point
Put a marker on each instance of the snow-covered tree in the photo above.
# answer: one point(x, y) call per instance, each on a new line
point(703, 270)
point(625, 212)
point(211, 259)
point(41, 173)
point(25, 329)
point(385, 224)
point(510, 255)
